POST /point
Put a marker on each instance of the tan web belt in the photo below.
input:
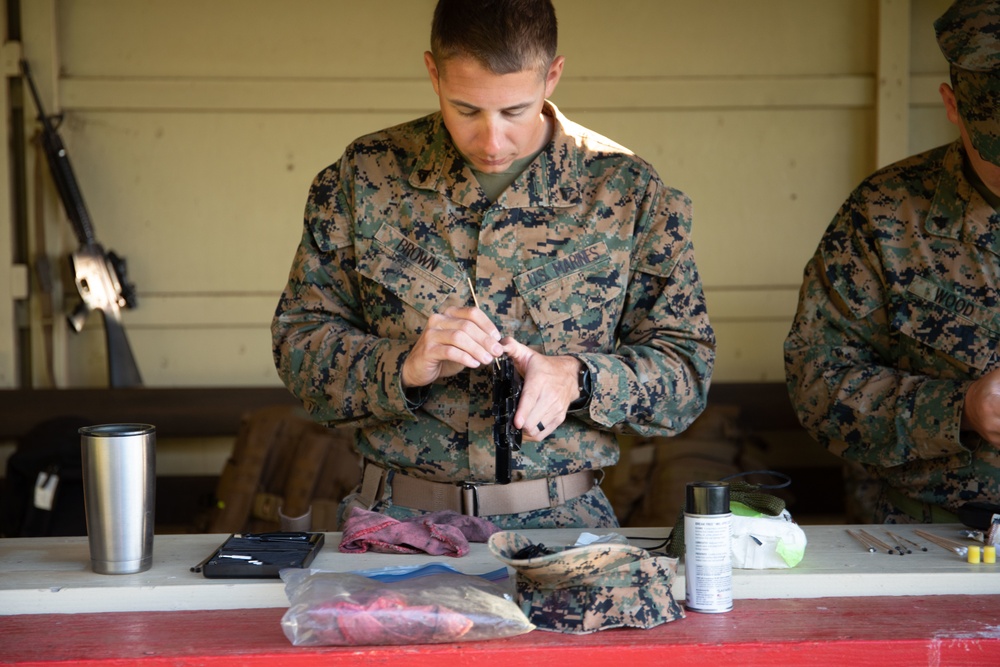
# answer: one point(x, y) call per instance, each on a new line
point(472, 499)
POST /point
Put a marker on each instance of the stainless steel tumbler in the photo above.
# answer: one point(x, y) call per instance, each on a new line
point(119, 493)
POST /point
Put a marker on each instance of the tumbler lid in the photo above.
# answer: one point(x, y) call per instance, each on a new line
point(707, 498)
point(116, 430)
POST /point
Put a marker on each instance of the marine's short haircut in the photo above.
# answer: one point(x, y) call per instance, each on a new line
point(504, 36)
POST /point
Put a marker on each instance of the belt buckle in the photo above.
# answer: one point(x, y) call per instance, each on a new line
point(470, 499)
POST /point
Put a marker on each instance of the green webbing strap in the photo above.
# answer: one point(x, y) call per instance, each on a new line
point(741, 492)
point(919, 511)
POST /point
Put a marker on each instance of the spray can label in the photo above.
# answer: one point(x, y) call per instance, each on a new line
point(708, 570)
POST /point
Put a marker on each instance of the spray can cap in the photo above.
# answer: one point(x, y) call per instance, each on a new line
point(707, 498)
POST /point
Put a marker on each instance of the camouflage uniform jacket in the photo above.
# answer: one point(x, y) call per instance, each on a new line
point(586, 253)
point(897, 316)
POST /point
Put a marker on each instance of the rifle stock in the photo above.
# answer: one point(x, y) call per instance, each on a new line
point(99, 276)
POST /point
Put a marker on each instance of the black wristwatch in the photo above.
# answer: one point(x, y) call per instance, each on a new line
point(586, 387)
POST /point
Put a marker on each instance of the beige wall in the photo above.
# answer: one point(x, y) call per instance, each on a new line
point(196, 127)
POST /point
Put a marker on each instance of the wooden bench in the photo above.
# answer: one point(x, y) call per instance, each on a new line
point(208, 412)
point(216, 411)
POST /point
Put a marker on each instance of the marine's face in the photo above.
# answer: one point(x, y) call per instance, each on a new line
point(988, 172)
point(493, 119)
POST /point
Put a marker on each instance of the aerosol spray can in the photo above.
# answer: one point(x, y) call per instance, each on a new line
point(708, 565)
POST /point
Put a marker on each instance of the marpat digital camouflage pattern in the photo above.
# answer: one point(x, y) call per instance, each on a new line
point(969, 36)
point(898, 313)
point(579, 590)
point(586, 253)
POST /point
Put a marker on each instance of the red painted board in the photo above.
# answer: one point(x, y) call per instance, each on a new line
point(903, 631)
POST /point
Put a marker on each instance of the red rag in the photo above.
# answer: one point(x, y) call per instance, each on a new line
point(444, 533)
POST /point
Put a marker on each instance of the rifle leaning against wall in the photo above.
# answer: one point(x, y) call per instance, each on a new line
point(100, 276)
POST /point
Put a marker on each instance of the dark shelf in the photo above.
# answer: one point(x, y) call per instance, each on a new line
point(176, 412)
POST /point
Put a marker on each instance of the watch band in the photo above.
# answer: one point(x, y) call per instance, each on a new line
point(585, 385)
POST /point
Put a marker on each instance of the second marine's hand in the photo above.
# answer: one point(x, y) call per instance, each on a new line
point(981, 410)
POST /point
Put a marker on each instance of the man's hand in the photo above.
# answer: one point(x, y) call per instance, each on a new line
point(550, 385)
point(456, 339)
point(981, 412)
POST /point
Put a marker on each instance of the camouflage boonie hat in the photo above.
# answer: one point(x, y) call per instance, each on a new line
point(584, 589)
point(969, 37)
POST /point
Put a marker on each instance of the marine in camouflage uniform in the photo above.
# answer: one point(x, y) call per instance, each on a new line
point(898, 314)
point(586, 253)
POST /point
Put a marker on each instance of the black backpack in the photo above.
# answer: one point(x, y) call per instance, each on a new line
point(43, 491)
